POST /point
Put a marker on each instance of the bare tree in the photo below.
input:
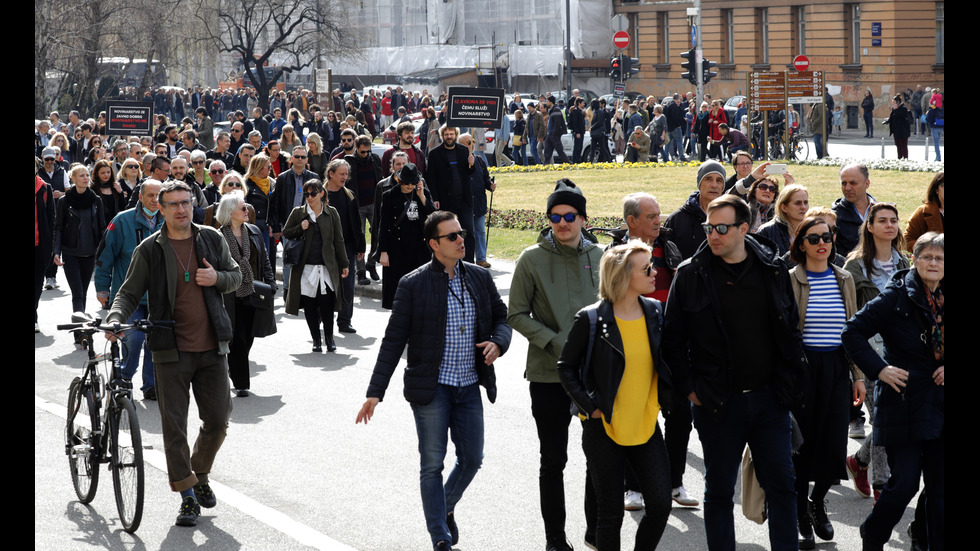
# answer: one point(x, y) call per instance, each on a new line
point(286, 32)
point(73, 37)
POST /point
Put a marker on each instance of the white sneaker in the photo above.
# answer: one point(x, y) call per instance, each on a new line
point(633, 501)
point(681, 498)
point(37, 328)
point(50, 283)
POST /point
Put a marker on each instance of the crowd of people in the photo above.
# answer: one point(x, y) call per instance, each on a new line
point(192, 218)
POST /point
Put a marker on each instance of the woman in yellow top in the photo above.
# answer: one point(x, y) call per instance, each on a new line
point(620, 389)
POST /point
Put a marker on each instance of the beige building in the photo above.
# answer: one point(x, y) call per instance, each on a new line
point(885, 46)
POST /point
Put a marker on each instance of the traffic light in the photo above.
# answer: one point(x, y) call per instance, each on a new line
point(706, 72)
point(690, 66)
point(615, 68)
point(631, 66)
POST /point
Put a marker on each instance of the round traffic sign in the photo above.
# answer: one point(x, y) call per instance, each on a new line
point(801, 63)
point(621, 39)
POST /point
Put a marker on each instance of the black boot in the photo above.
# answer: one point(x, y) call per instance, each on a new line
point(806, 530)
point(821, 524)
point(331, 346)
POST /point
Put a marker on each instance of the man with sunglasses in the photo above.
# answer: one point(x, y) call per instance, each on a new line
point(287, 195)
point(184, 269)
point(455, 324)
point(553, 280)
point(731, 292)
point(346, 147)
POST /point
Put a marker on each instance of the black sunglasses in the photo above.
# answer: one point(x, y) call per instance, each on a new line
point(767, 187)
point(453, 236)
point(568, 217)
point(814, 238)
point(722, 229)
point(313, 193)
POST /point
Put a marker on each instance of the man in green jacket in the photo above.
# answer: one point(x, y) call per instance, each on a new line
point(553, 280)
point(185, 269)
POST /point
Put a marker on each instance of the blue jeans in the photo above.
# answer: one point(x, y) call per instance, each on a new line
point(480, 234)
point(753, 418)
point(937, 132)
point(534, 151)
point(457, 411)
point(132, 345)
point(676, 145)
point(818, 144)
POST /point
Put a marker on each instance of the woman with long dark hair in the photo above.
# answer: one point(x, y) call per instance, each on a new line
point(826, 299)
point(114, 196)
point(868, 107)
point(872, 264)
point(931, 215)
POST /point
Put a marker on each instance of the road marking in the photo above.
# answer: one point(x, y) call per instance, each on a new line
point(266, 515)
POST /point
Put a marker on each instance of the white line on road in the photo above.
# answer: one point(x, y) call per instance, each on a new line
point(266, 515)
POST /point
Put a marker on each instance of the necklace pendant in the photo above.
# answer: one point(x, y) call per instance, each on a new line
point(187, 276)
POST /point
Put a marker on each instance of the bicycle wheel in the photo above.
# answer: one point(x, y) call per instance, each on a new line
point(801, 149)
point(127, 464)
point(82, 440)
point(775, 148)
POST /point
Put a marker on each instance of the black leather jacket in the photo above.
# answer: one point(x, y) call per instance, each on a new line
point(696, 344)
point(596, 385)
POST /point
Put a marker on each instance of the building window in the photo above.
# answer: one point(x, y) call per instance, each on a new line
point(852, 21)
point(762, 35)
point(940, 32)
point(664, 41)
point(799, 29)
point(727, 36)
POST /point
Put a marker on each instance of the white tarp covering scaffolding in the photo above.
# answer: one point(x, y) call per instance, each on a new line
point(407, 36)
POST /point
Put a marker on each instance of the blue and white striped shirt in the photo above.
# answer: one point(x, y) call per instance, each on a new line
point(825, 314)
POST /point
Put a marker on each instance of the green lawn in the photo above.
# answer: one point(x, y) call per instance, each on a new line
point(605, 188)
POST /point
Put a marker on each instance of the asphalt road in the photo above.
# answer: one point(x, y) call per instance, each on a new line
point(296, 473)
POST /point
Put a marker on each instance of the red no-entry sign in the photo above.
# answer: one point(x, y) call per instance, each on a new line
point(801, 63)
point(621, 39)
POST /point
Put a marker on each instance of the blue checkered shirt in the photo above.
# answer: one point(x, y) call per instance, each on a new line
point(458, 368)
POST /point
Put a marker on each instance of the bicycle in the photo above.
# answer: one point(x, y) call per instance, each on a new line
point(102, 424)
point(798, 149)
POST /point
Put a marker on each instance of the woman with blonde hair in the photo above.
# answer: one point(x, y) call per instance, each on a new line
point(258, 188)
point(619, 388)
point(791, 207)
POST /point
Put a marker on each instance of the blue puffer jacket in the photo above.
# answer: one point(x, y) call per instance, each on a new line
point(127, 230)
point(901, 315)
point(418, 319)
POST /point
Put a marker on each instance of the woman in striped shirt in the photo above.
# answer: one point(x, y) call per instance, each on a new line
point(826, 299)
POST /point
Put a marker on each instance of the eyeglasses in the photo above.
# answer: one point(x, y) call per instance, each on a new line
point(648, 270)
point(347, 140)
point(218, 171)
point(814, 238)
point(722, 229)
point(244, 209)
point(313, 192)
point(767, 187)
point(233, 184)
point(930, 258)
point(363, 151)
point(452, 237)
point(299, 156)
point(197, 162)
point(186, 203)
point(568, 217)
